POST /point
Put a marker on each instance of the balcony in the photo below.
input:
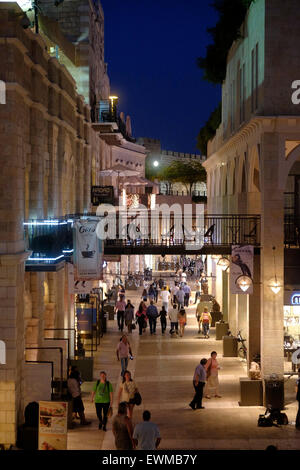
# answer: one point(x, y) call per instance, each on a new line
point(108, 122)
point(51, 243)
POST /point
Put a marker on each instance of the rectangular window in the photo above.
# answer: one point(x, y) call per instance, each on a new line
point(252, 80)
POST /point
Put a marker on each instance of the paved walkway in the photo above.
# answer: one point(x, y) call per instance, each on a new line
point(163, 369)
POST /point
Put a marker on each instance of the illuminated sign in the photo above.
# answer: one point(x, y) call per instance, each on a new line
point(295, 299)
point(2, 353)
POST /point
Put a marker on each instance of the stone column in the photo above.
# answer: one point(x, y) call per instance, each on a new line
point(254, 313)
point(37, 140)
point(232, 313)
point(271, 235)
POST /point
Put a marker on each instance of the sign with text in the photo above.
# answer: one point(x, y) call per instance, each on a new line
point(102, 195)
point(53, 424)
point(87, 255)
point(241, 265)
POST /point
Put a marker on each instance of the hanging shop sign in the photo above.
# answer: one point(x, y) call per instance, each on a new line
point(76, 286)
point(295, 298)
point(53, 423)
point(88, 250)
point(241, 265)
point(102, 195)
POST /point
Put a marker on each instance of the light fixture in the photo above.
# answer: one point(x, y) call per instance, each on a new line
point(244, 282)
point(223, 263)
point(274, 284)
point(155, 163)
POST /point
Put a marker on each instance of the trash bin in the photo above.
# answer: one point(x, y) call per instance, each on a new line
point(230, 345)
point(274, 391)
point(221, 330)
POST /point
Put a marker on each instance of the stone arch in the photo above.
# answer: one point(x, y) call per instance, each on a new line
point(292, 158)
point(254, 184)
point(241, 176)
point(231, 178)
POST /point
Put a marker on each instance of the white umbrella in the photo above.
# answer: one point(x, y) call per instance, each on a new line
point(134, 181)
point(119, 170)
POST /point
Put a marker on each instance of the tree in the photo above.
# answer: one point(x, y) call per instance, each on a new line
point(208, 131)
point(227, 30)
point(186, 173)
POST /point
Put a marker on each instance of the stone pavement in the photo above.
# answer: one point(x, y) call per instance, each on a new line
point(163, 369)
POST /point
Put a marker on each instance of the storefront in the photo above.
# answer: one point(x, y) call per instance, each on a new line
point(291, 327)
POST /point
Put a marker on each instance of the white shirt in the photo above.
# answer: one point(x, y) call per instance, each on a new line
point(165, 295)
point(173, 314)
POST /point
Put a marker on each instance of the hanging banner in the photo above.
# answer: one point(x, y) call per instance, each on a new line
point(53, 424)
point(76, 286)
point(241, 265)
point(87, 255)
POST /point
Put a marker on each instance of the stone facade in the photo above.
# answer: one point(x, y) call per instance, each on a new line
point(254, 151)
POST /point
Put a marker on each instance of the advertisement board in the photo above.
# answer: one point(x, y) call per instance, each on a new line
point(87, 250)
point(241, 265)
point(53, 424)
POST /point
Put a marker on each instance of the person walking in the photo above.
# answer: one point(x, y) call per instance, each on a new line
point(180, 298)
point(198, 290)
point(173, 316)
point(141, 318)
point(165, 296)
point(152, 314)
point(151, 293)
point(144, 294)
point(199, 383)
point(123, 351)
point(174, 291)
point(129, 316)
point(212, 369)
point(298, 399)
point(155, 292)
point(146, 435)
point(205, 319)
point(127, 390)
point(120, 309)
point(163, 319)
point(102, 396)
point(181, 321)
point(187, 293)
point(75, 391)
point(122, 429)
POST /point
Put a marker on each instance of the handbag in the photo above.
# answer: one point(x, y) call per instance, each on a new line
point(110, 412)
point(133, 326)
point(137, 398)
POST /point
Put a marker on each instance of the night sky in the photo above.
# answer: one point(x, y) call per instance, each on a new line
point(151, 47)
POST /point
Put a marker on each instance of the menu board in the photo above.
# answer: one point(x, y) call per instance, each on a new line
point(53, 425)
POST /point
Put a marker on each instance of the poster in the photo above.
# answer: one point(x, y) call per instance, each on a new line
point(53, 425)
point(87, 256)
point(75, 285)
point(241, 265)
point(85, 317)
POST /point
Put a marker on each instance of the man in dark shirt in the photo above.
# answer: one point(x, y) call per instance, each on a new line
point(199, 383)
point(152, 314)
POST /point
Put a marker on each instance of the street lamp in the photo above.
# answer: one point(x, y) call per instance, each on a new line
point(155, 163)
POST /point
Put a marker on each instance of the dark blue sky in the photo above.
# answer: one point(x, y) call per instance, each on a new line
point(151, 47)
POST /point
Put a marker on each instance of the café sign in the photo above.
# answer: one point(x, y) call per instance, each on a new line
point(295, 299)
point(102, 195)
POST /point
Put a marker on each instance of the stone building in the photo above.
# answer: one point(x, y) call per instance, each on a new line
point(52, 153)
point(253, 168)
